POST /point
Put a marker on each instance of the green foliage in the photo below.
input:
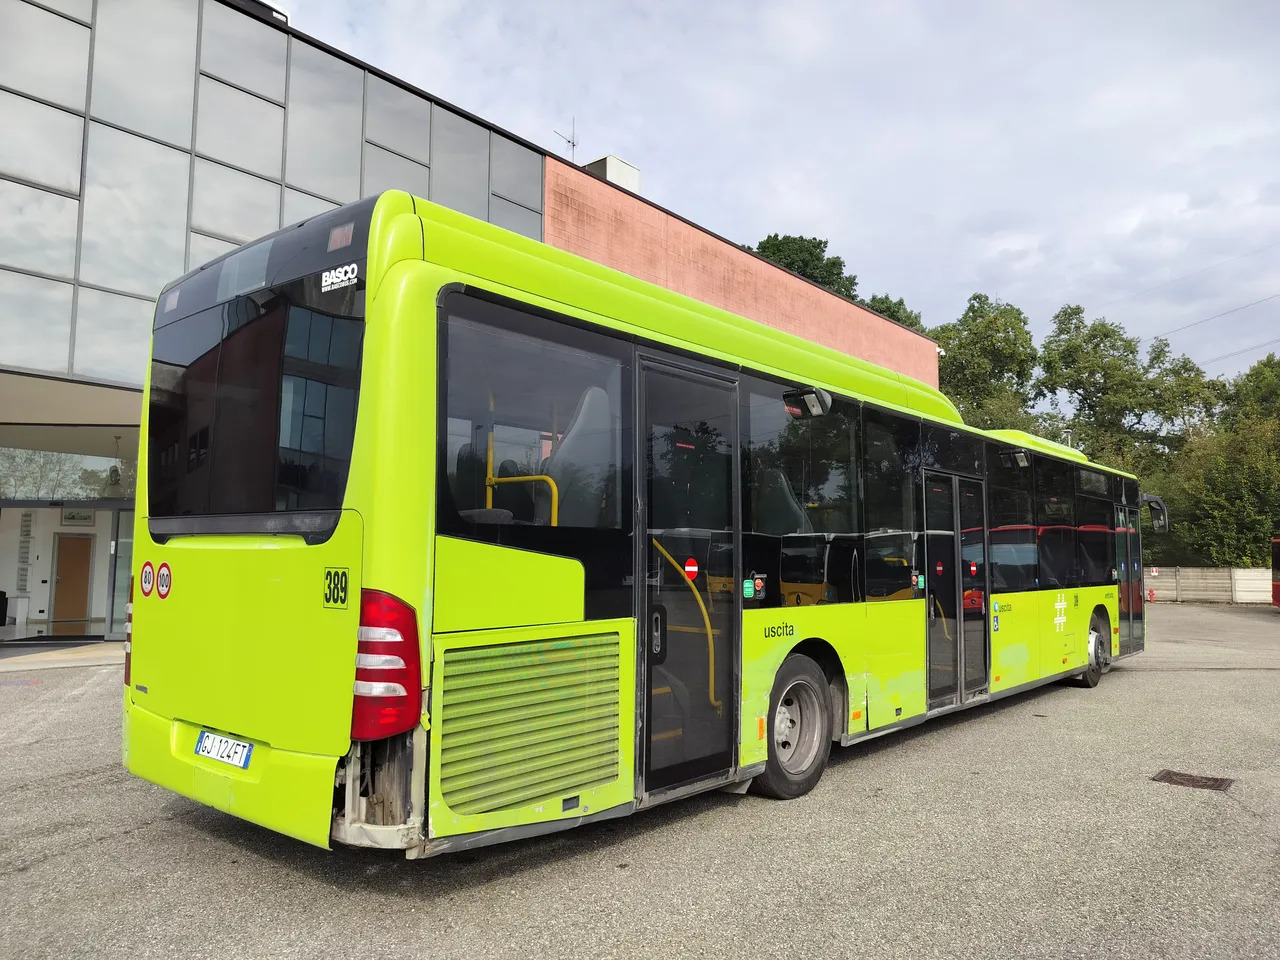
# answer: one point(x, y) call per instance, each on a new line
point(898, 310)
point(1223, 493)
point(1255, 393)
point(807, 256)
point(988, 363)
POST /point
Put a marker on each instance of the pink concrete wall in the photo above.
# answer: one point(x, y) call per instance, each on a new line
point(596, 220)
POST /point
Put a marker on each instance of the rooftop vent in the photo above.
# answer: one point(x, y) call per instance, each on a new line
point(616, 171)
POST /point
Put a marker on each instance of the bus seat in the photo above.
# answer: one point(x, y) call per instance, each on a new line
point(468, 489)
point(515, 497)
point(580, 464)
point(776, 507)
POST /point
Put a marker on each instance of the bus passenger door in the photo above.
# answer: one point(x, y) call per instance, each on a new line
point(1124, 580)
point(1137, 603)
point(975, 588)
point(942, 556)
point(690, 614)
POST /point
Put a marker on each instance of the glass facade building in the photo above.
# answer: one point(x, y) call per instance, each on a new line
point(144, 138)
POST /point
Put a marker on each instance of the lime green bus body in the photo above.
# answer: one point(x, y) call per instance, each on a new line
point(248, 643)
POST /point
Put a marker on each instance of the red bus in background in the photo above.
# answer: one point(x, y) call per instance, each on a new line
point(1275, 571)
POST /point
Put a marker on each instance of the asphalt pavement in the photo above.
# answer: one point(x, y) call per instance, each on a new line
point(1027, 828)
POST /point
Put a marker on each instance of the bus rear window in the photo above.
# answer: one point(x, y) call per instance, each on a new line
point(253, 403)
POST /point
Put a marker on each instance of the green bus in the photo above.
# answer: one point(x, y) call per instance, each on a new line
point(446, 537)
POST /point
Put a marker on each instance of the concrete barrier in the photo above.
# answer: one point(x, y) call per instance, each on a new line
point(1208, 584)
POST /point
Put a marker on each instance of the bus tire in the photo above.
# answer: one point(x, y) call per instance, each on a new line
point(1099, 651)
point(799, 729)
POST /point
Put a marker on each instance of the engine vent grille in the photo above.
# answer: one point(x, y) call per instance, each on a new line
point(523, 723)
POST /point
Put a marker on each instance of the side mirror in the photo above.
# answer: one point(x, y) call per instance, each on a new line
point(1159, 515)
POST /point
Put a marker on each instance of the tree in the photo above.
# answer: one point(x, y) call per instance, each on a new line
point(1223, 493)
point(884, 305)
point(807, 256)
point(988, 364)
point(1254, 393)
point(1113, 396)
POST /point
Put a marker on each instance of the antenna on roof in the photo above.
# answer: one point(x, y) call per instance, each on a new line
point(571, 140)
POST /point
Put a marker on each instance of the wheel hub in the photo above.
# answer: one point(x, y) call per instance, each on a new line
point(796, 727)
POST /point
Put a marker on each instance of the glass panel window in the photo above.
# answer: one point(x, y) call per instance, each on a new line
point(43, 54)
point(300, 206)
point(49, 149)
point(53, 474)
point(205, 249)
point(239, 128)
point(80, 9)
point(891, 466)
point(238, 48)
point(113, 334)
point(1014, 558)
point(516, 172)
point(325, 116)
point(215, 373)
point(234, 204)
point(144, 64)
point(953, 450)
point(1055, 522)
point(801, 511)
point(384, 170)
point(1093, 483)
point(398, 119)
point(515, 218)
point(35, 324)
point(39, 230)
point(135, 213)
point(459, 164)
point(556, 401)
point(1095, 542)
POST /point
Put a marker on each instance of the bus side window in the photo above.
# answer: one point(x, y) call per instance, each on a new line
point(891, 502)
point(1015, 563)
point(1055, 522)
point(801, 516)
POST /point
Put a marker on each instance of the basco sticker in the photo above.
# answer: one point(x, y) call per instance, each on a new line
point(691, 568)
point(164, 581)
point(147, 578)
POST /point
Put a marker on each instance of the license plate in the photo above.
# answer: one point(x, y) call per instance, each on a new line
point(224, 749)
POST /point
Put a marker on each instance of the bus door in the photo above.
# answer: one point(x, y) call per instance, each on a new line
point(1137, 607)
point(1124, 580)
point(956, 575)
point(690, 613)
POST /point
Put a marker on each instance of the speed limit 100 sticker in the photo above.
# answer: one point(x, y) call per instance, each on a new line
point(164, 581)
point(147, 578)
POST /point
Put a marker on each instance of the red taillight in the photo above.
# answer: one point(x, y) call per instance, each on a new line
point(128, 634)
point(388, 688)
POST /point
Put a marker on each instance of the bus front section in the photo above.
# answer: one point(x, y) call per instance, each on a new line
point(267, 675)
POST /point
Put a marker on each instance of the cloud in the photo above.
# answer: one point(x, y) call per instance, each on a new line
point(1044, 154)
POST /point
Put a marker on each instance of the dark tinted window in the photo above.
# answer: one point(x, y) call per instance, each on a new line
point(337, 239)
point(891, 503)
point(1095, 542)
point(800, 489)
point(1093, 483)
point(556, 401)
point(1130, 488)
point(1014, 556)
point(952, 450)
point(1055, 521)
point(253, 403)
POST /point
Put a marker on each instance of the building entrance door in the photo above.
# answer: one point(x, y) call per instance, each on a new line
point(73, 557)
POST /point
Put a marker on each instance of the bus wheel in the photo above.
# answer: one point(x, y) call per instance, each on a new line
point(800, 729)
point(1099, 652)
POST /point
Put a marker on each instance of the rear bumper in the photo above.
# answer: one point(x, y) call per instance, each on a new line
point(291, 793)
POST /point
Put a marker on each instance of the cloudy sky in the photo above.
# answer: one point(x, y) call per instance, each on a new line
point(1043, 153)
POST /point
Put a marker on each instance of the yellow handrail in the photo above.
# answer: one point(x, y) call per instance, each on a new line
point(543, 478)
point(706, 619)
point(490, 481)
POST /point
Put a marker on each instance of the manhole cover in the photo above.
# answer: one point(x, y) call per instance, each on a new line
point(1192, 780)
